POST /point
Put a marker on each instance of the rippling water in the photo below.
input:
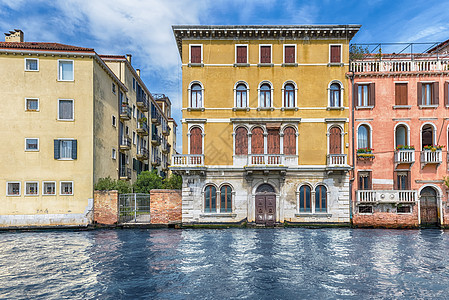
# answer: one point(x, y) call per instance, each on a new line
point(221, 264)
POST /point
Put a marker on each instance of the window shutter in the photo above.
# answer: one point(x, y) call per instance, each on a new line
point(273, 141)
point(436, 92)
point(195, 54)
point(134, 164)
point(356, 96)
point(409, 181)
point(396, 180)
point(257, 141)
point(265, 54)
point(370, 183)
point(335, 54)
point(419, 93)
point(289, 54)
point(446, 100)
point(241, 55)
point(74, 149)
point(56, 149)
point(372, 94)
point(289, 141)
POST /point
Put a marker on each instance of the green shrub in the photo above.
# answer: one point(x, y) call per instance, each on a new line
point(109, 184)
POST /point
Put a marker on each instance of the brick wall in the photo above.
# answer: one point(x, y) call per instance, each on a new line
point(106, 207)
point(165, 206)
point(387, 220)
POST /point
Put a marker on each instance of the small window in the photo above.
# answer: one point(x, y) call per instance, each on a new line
point(265, 54)
point(364, 179)
point(365, 94)
point(400, 94)
point(366, 209)
point(49, 188)
point(428, 93)
point(195, 54)
point(241, 96)
point(196, 96)
point(335, 95)
point(304, 199)
point(210, 199)
point(127, 130)
point(265, 95)
point(114, 153)
point(289, 95)
point(65, 70)
point(134, 137)
point(65, 149)
point(226, 199)
point(134, 84)
point(31, 104)
point(404, 209)
point(289, 54)
point(31, 64)
point(31, 188)
point(31, 144)
point(65, 110)
point(13, 189)
point(242, 54)
point(114, 121)
point(114, 88)
point(66, 188)
point(335, 54)
point(320, 199)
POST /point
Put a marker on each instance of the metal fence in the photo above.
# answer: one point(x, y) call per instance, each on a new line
point(134, 208)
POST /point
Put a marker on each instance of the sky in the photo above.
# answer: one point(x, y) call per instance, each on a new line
point(143, 27)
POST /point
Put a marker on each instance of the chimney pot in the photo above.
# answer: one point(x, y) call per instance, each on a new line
point(128, 58)
point(15, 35)
point(138, 72)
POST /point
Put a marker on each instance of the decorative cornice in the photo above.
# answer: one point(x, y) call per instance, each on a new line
point(265, 120)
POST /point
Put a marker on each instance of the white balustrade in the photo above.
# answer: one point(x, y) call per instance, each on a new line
point(334, 160)
point(387, 196)
point(266, 159)
point(431, 157)
point(399, 65)
point(188, 160)
point(404, 156)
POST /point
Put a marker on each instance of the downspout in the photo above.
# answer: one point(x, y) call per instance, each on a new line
point(351, 181)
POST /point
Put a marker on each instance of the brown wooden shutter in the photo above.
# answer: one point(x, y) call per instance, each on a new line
point(196, 141)
point(419, 93)
point(195, 54)
point(289, 141)
point(335, 54)
point(401, 94)
point(372, 94)
point(396, 180)
point(241, 141)
point(265, 54)
point(356, 96)
point(257, 143)
point(289, 54)
point(273, 141)
point(436, 93)
point(370, 181)
point(335, 141)
point(241, 55)
point(446, 95)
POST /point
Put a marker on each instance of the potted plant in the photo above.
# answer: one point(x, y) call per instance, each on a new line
point(433, 148)
point(365, 153)
point(405, 147)
point(142, 120)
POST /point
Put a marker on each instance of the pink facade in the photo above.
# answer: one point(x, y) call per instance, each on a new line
point(401, 115)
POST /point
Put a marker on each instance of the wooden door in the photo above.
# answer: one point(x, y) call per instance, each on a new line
point(335, 141)
point(429, 208)
point(266, 209)
point(196, 141)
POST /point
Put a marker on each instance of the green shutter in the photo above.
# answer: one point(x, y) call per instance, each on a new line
point(56, 149)
point(74, 149)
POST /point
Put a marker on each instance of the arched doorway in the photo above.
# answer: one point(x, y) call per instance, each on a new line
point(265, 205)
point(428, 207)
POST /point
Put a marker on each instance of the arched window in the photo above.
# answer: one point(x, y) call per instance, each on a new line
point(335, 95)
point(401, 135)
point(427, 135)
point(241, 93)
point(210, 199)
point(265, 95)
point(320, 199)
point(289, 141)
point(304, 199)
point(241, 141)
point(226, 199)
point(257, 143)
point(363, 137)
point(196, 96)
point(265, 188)
point(196, 141)
point(289, 95)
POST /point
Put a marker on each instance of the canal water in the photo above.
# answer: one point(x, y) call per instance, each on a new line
point(289, 263)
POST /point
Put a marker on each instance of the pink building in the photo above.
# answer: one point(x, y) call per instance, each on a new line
point(400, 134)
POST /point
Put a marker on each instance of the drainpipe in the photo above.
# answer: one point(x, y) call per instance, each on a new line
point(351, 181)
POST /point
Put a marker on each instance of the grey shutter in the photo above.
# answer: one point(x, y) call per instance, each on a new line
point(372, 94)
point(56, 149)
point(419, 95)
point(74, 149)
point(436, 93)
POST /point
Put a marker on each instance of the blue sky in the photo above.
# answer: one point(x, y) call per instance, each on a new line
point(143, 27)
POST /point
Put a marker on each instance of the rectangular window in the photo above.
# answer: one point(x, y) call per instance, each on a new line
point(65, 70)
point(32, 104)
point(289, 54)
point(31, 64)
point(265, 54)
point(134, 137)
point(65, 109)
point(114, 121)
point(364, 180)
point(365, 95)
point(114, 88)
point(402, 180)
point(13, 189)
point(134, 111)
point(428, 93)
point(134, 84)
point(49, 188)
point(242, 54)
point(127, 130)
point(65, 149)
point(195, 54)
point(31, 144)
point(114, 153)
point(400, 94)
point(66, 188)
point(404, 209)
point(31, 188)
point(335, 54)
point(366, 209)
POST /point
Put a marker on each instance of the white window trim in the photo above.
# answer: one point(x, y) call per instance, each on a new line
point(191, 126)
point(73, 111)
point(295, 104)
point(190, 94)
point(247, 52)
point(407, 133)
point(60, 188)
point(357, 92)
point(283, 53)
point(434, 132)
point(25, 191)
point(114, 153)
point(73, 66)
point(341, 53)
point(235, 93)
point(25, 61)
point(341, 94)
point(272, 94)
point(66, 139)
point(43, 188)
point(271, 53)
point(190, 52)
point(20, 188)
point(38, 104)
point(114, 121)
point(32, 150)
point(370, 141)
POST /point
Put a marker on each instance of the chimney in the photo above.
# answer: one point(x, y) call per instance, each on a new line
point(14, 36)
point(138, 72)
point(128, 58)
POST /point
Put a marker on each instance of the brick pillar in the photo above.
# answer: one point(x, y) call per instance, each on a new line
point(106, 207)
point(165, 206)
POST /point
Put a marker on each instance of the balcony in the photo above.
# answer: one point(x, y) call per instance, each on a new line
point(431, 157)
point(166, 130)
point(156, 139)
point(125, 112)
point(165, 166)
point(404, 157)
point(142, 128)
point(188, 160)
point(156, 161)
point(387, 196)
point(142, 153)
point(165, 148)
point(142, 103)
point(400, 65)
point(125, 173)
point(125, 143)
point(337, 160)
point(156, 118)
